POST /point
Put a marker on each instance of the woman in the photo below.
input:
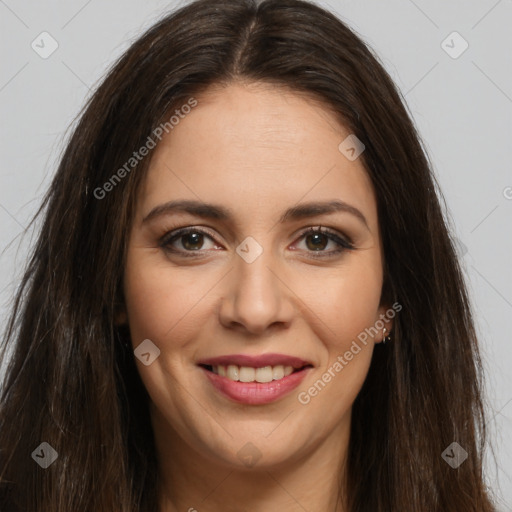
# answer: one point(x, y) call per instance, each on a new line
point(244, 295)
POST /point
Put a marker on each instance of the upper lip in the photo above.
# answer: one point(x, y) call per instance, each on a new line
point(255, 361)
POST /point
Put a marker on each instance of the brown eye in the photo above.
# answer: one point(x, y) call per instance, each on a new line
point(192, 241)
point(186, 241)
point(318, 241)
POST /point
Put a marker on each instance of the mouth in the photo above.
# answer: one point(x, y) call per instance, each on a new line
point(255, 380)
point(248, 374)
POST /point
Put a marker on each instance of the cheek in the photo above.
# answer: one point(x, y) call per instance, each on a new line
point(162, 302)
point(348, 301)
point(357, 304)
point(348, 307)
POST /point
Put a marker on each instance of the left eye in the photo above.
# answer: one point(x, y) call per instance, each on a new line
point(192, 240)
point(319, 238)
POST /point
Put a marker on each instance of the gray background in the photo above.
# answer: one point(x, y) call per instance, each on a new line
point(462, 107)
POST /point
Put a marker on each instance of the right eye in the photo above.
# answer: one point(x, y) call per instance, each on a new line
point(190, 239)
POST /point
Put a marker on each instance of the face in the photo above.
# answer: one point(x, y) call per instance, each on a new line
point(250, 285)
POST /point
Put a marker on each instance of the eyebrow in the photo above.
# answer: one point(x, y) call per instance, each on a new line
point(217, 212)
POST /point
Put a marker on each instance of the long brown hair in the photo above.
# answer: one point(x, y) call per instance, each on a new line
point(71, 381)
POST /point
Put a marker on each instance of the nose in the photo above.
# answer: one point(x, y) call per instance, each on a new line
point(257, 297)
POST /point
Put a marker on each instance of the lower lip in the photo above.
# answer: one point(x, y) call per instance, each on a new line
point(256, 393)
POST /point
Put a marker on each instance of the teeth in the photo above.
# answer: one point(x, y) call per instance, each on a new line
point(248, 374)
point(232, 372)
point(278, 372)
point(264, 374)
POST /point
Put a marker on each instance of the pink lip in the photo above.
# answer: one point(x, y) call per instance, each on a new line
point(256, 393)
point(255, 361)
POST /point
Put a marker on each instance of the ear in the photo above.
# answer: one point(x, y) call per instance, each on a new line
point(384, 320)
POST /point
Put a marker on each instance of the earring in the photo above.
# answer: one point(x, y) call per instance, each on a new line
point(386, 338)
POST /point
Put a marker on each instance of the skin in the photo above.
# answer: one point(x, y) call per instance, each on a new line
point(257, 150)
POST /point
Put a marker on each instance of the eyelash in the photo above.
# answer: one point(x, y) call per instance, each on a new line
point(171, 236)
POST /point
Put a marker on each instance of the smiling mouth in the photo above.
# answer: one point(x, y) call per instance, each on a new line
point(263, 374)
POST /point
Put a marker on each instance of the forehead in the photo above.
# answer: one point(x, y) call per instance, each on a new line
point(257, 148)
